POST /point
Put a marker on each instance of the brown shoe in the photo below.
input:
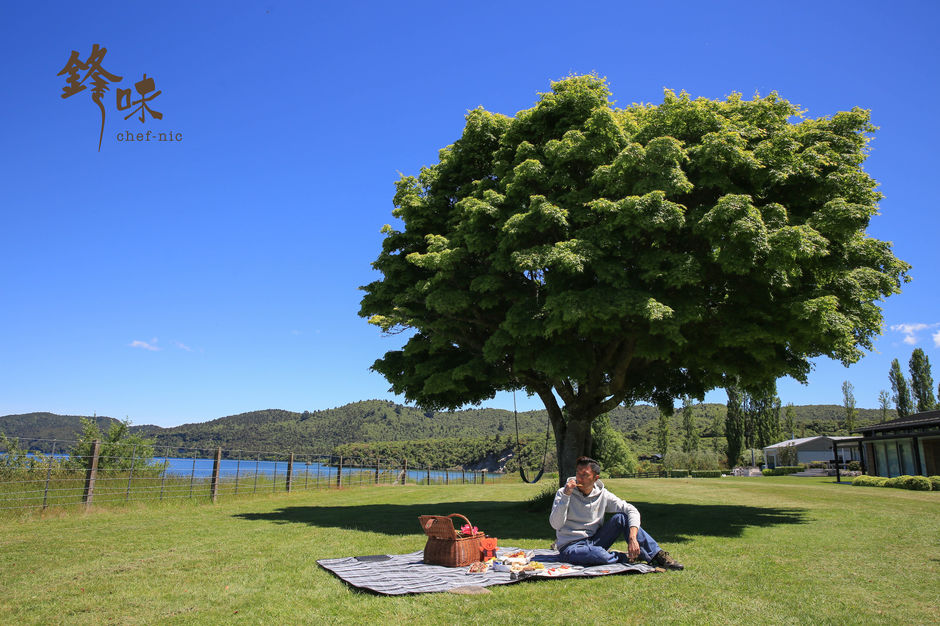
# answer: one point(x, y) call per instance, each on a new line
point(662, 559)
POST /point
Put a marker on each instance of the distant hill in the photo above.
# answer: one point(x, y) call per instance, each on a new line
point(36, 429)
point(381, 420)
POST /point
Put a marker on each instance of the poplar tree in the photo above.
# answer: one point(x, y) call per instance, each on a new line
point(662, 434)
point(902, 393)
point(690, 435)
point(884, 403)
point(848, 403)
point(734, 424)
point(921, 381)
point(761, 416)
point(789, 422)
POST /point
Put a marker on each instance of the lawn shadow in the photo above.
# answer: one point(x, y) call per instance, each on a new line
point(668, 523)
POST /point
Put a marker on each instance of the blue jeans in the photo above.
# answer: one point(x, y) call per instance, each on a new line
point(593, 550)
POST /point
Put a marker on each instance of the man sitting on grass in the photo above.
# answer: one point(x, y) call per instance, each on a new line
point(582, 536)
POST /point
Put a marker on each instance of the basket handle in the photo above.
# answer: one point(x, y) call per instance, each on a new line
point(461, 517)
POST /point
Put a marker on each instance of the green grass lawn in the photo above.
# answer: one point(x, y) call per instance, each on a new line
point(759, 550)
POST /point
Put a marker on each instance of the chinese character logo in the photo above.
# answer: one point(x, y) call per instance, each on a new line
point(80, 74)
point(92, 69)
point(143, 87)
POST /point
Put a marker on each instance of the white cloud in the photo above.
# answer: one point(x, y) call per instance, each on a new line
point(145, 345)
point(182, 346)
point(936, 339)
point(910, 331)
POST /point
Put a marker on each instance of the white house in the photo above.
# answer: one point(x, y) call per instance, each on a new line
point(809, 449)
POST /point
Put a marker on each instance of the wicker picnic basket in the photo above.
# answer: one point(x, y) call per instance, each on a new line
point(444, 547)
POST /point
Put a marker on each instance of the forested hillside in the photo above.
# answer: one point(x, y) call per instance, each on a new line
point(383, 421)
point(48, 427)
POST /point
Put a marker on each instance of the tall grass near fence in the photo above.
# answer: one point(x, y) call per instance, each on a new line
point(35, 481)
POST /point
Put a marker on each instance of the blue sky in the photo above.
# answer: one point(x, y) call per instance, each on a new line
point(175, 282)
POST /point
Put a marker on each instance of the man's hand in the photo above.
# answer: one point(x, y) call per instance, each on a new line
point(633, 546)
point(570, 486)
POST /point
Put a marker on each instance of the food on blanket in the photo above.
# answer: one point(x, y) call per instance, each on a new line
point(478, 567)
point(558, 571)
point(520, 557)
point(534, 566)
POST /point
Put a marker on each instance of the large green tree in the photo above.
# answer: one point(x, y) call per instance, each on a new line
point(593, 255)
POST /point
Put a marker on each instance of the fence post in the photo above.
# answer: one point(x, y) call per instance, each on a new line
point(306, 473)
point(319, 464)
point(290, 471)
point(192, 475)
point(45, 493)
point(463, 476)
point(274, 479)
point(238, 469)
point(166, 466)
point(257, 463)
point(91, 473)
point(378, 462)
point(130, 475)
point(214, 484)
point(339, 474)
point(404, 472)
point(483, 476)
point(429, 473)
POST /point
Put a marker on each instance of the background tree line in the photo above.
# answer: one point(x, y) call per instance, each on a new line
point(696, 428)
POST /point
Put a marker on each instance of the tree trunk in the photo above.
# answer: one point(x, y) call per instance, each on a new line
point(572, 440)
point(572, 432)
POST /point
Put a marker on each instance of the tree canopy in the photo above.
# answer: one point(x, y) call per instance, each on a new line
point(594, 255)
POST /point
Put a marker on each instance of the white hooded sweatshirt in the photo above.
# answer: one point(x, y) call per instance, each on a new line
point(578, 516)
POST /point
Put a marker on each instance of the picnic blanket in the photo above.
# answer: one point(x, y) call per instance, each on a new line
point(398, 574)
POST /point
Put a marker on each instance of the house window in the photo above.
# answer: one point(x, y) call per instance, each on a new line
point(894, 467)
point(881, 457)
point(907, 456)
point(930, 453)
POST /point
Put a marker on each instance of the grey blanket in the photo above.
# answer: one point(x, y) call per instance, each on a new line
point(407, 573)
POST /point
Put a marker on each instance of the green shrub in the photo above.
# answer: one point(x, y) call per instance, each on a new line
point(678, 473)
point(854, 466)
point(782, 470)
point(869, 481)
point(935, 482)
point(914, 483)
point(705, 473)
point(698, 460)
point(919, 483)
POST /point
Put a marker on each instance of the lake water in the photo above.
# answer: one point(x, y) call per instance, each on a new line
point(303, 471)
point(310, 471)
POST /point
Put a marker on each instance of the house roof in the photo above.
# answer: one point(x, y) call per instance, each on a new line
point(792, 442)
point(802, 440)
point(926, 418)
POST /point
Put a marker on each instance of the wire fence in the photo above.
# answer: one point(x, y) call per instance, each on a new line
point(114, 475)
